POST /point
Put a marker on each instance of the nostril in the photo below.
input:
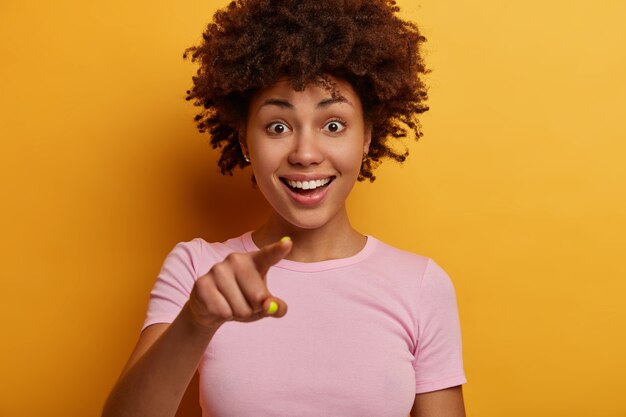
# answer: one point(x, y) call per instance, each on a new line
point(305, 155)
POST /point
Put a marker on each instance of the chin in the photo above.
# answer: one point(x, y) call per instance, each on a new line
point(305, 224)
point(308, 221)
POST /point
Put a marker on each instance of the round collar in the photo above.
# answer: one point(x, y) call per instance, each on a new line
point(318, 266)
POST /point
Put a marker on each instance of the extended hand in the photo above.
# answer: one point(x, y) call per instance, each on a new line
point(236, 288)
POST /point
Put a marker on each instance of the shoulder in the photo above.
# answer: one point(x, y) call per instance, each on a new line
point(396, 259)
point(427, 273)
point(394, 254)
point(200, 255)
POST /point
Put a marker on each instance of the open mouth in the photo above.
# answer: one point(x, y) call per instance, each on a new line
point(307, 187)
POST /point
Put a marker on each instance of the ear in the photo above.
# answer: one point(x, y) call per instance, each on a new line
point(242, 140)
point(244, 148)
point(367, 138)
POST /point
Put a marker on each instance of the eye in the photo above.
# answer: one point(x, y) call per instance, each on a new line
point(276, 128)
point(334, 126)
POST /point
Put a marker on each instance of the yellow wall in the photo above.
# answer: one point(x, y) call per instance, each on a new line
point(517, 189)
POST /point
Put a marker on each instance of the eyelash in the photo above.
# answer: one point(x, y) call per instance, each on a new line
point(275, 122)
point(342, 122)
point(337, 120)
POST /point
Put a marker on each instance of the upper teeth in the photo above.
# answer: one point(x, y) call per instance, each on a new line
point(308, 185)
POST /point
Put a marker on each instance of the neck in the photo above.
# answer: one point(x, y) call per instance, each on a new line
point(334, 240)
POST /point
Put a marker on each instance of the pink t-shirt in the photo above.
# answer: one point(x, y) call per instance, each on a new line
point(361, 337)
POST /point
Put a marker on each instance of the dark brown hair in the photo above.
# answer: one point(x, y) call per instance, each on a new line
point(252, 43)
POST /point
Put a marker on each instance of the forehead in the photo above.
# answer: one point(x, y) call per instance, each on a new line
point(312, 95)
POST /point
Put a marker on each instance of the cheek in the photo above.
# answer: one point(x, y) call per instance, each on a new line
point(349, 161)
point(263, 180)
point(264, 168)
point(260, 171)
point(263, 160)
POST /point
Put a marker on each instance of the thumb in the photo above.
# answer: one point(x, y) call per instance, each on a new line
point(274, 307)
point(271, 254)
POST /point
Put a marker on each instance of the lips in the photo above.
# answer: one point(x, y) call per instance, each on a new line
point(307, 191)
point(307, 185)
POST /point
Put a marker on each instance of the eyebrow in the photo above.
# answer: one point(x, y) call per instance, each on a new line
point(285, 104)
point(277, 102)
point(329, 101)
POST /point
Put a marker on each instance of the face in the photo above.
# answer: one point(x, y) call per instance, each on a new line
point(306, 150)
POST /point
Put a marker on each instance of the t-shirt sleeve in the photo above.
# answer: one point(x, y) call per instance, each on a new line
point(173, 285)
point(438, 358)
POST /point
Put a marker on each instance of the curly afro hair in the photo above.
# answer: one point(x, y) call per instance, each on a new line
point(252, 43)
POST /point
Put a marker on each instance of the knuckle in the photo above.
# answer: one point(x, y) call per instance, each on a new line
point(239, 261)
point(243, 312)
point(221, 312)
point(203, 285)
point(234, 258)
point(259, 296)
point(204, 298)
point(219, 268)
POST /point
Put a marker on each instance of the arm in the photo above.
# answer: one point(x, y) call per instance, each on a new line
point(443, 403)
point(167, 355)
point(159, 369)
point(439, 360)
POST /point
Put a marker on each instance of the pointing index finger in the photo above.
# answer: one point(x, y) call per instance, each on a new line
point(271, 254)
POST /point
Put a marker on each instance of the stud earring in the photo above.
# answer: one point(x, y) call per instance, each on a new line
point(245, 156)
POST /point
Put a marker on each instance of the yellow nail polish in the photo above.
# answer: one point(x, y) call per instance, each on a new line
point(273, 308)
point(285, 239)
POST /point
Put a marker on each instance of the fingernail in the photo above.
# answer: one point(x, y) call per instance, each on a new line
point(273, 308)
point(285, 239)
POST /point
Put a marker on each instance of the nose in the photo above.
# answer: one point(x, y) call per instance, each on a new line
point(306, 149)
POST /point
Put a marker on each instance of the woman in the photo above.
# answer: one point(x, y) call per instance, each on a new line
point(312, 95)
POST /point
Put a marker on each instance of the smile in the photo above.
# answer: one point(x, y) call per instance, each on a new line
point(308, 185)
point(307, 192)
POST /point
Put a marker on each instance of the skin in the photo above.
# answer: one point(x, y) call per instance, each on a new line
point(443, 403)
point(166, 356)
point(287, 134)
point(307, 146)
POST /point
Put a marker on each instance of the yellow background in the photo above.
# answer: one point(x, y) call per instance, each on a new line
point(516, 189)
